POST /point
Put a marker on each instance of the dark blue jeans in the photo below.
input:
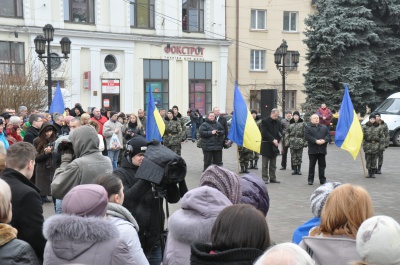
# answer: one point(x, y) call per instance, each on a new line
point(194, 129)
point(155, 256)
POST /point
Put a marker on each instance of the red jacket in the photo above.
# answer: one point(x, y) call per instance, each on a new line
point(328, 116)
point(101, 122)
point(12, 135)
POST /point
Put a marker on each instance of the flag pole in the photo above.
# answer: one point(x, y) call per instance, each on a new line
point(237, 159)
point(362, 162)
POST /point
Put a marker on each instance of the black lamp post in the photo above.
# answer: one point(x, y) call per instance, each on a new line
point(280, 61)
point(40, 47)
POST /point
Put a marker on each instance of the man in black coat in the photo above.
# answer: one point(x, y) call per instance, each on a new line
point(271, 132)
point(222, 120)
point(317, 135)
point(33, 131)
point(27, 211)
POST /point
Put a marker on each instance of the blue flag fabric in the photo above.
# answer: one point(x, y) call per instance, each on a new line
point(348, 135)
point(57, 105)
point(244, 130)
point(155, 125)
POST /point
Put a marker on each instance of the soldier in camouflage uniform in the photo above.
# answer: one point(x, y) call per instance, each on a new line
point(294, 137)
point(385, 129)
point(255, 156)
point(173, 132)
point(183, 126)
point(373, 143)
point(244, 158)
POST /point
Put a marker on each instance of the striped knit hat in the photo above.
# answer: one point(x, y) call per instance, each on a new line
point(319, 196)
point(223, 180)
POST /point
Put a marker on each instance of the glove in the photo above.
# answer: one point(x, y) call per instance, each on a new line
point(67, 157)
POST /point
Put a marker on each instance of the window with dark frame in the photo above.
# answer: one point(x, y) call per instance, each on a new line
point(11, 8)
point(79, 11)
point(193, 15)
point(12, 58)
point(156, 77)
point(200, 86)
point(110, 63)
point(142, 13)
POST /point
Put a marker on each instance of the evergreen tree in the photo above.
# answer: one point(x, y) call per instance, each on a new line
point(347, 43)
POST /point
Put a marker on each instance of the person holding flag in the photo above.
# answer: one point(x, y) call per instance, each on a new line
point(155, 126)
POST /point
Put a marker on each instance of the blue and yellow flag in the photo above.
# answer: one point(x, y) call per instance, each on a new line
point(244, 130)
point(348, 134)
point(57, 105)
point(155, 126)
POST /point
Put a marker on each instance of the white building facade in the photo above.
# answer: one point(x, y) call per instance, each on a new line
point(121, 48)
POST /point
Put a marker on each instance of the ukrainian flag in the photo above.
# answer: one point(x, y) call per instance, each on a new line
point(349, 135)
point(244, 130)
point(155, 126)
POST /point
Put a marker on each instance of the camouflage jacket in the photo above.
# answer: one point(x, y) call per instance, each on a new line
point(173, 132)
point(183, 126)
point(374, 139)
point(294, 136)
point(243, 149)
point(385, 129)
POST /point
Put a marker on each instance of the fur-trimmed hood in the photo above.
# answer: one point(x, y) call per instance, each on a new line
point(72, 235)
point(199, 209)
point(7, 233)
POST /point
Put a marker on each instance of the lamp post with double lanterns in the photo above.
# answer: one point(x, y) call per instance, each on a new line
point(280, 61)
point(40, 48)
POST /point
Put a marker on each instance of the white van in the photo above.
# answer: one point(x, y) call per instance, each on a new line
point(390, 114)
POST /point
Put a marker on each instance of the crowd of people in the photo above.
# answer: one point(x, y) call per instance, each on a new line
point(92, 166)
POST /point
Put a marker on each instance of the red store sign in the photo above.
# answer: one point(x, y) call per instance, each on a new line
point(184, 50)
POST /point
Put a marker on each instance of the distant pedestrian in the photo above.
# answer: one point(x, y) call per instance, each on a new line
point(325, 117)
point(317, 136)
point(110, 128)
point(294, 138)
point(173, 132)
point(373, 144)
point(285, 148)
point(385, 129)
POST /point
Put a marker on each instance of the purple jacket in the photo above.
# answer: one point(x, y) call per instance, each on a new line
point(192, 223)
point(255, 192)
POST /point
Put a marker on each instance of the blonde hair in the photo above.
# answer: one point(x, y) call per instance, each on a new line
point(139, 123)
point(95, 125)
point(85, 118)
point(346, 208)
point(5, 201)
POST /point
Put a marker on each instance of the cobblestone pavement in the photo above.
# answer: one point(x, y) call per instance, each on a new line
point(289, 200)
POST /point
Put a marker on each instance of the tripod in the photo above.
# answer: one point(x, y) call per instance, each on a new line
point(161, 193)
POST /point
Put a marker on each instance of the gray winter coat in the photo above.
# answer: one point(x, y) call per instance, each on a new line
point(88, 164)
point(83, 240)
point(193, 223)
point(333, 250)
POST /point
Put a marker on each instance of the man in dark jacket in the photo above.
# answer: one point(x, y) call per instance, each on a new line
point(59, 124)
point(317, 135)
point(33, 131)
point(271, 132)
point(140, 200)
point(213, 137)
point(27, 211)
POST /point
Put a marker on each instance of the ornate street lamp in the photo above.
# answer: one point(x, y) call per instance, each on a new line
point(280, 61)
point(40, 48)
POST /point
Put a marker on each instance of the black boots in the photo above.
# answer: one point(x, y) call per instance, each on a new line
point(371, 173)
point(244, 169)
point(255, 164)
point(296, 170)
point(251, 164)
point(378, 171)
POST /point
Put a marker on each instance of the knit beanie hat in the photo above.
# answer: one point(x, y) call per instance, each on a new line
point(319, 196)
point(136, 145)
point(224, 180)
point(378, 241)
point(86, 200)
point(254, 111)
point(296, 113)
point(372, 116)
point(112, 113)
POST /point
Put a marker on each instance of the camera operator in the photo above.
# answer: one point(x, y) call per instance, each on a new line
point(87, 165)
point(140, 199)
point(213, 137)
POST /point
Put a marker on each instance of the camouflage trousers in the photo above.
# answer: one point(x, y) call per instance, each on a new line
point(255, 156)
point(380, 158)
point(296, 156)
point(244, 157)
point(371, 160)
point(176, 148)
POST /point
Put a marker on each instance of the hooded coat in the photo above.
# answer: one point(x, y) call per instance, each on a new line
point(88, 164)
point(44, 170)
point(83, 240)
point(193, 223)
